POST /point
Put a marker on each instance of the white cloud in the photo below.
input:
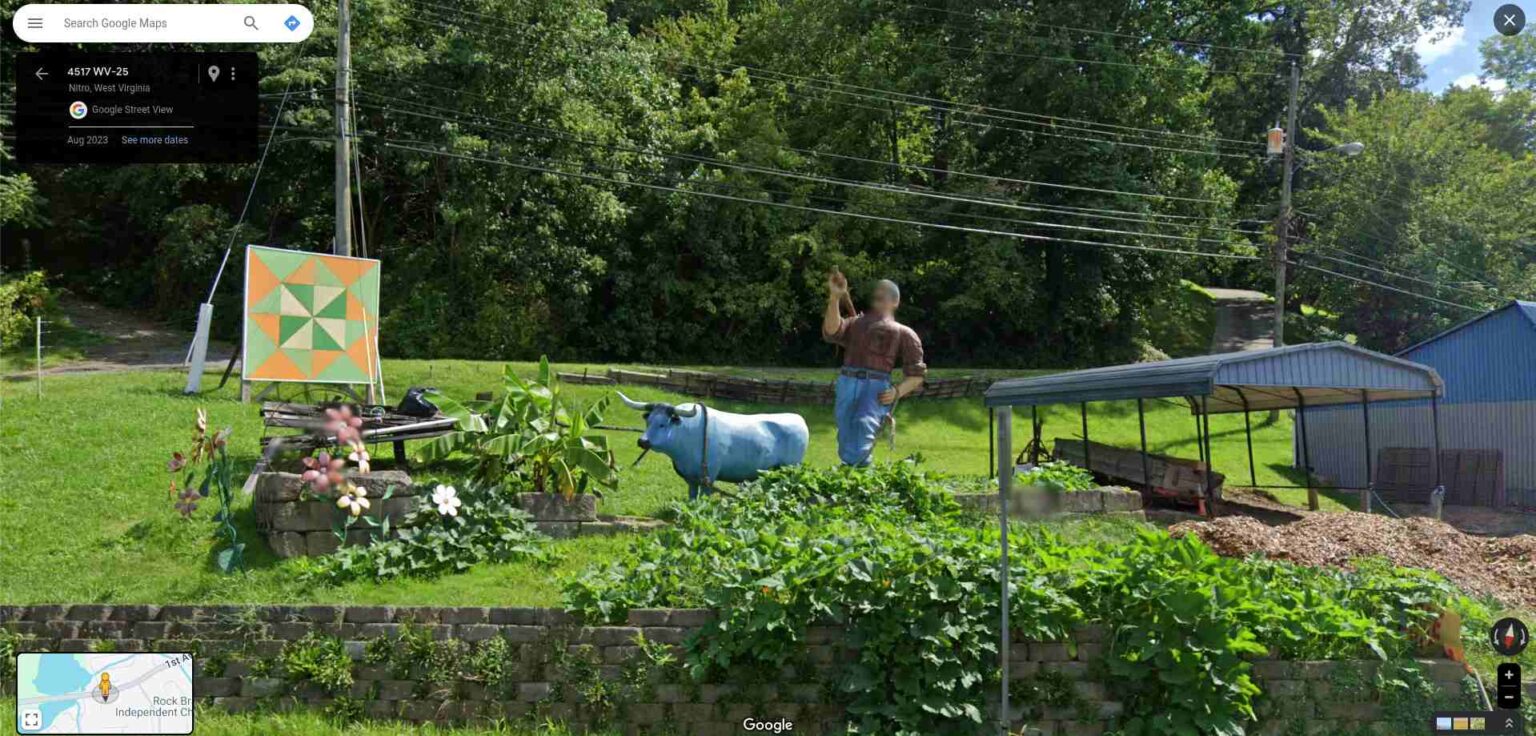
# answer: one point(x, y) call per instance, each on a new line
point(1472, 80)
point(1437, 42)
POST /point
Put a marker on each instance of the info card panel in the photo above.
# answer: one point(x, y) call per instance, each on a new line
point(127, 108)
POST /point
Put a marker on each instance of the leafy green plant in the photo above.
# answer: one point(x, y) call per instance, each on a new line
point(486, 526)
point(209, 455)
point(22, 300)
point(10, 643)
point(532, 438)
point(1058, 476)
point(885, 552)
point(322, 660)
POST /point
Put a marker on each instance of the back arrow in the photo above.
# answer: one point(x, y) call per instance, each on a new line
point(40, 74)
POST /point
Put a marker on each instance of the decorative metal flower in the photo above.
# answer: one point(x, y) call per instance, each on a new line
point(344, 425)
point(323, 471)
point(186, 503)
point(446, 499)
point(354, 500)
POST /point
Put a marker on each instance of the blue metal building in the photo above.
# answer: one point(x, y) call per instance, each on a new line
point(1489, 368)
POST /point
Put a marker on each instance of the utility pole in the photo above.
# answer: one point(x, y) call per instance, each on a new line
point(343, 242)
point(1283, 220)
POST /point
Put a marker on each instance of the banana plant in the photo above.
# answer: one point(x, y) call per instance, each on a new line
point(530, 436)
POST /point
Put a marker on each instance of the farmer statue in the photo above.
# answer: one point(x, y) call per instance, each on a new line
point(874, 344)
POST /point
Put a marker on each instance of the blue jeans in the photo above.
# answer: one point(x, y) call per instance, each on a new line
point(859, 414)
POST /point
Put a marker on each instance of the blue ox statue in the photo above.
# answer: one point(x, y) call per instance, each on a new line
point(706, 446)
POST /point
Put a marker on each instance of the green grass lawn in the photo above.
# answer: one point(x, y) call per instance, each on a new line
point(214, 722)
point(86, 516)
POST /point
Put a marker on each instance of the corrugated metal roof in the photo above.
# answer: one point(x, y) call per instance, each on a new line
point(1322, 373)
point(1520, 308)
point(1486, 359)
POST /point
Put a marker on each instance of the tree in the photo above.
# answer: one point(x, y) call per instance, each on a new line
point(1440, 195)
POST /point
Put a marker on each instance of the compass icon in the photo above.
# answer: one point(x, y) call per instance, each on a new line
point(1509, 637)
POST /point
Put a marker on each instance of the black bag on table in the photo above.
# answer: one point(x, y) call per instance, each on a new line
point(416, 403)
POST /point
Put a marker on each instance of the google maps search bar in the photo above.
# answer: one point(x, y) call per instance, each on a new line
point(163, 23)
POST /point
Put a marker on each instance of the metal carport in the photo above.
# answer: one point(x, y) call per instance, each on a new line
point(1291, 377)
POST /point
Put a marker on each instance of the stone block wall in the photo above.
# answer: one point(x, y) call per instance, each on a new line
point(296, 526)
point(539, 664)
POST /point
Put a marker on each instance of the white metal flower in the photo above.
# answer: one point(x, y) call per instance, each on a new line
point(446, 499)
point(354, 500)
point(359, 456)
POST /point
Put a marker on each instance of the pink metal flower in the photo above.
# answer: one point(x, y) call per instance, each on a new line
point(343, 424)
point(323, 471)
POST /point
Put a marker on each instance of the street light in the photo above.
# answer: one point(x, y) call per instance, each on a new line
point(1279, 142)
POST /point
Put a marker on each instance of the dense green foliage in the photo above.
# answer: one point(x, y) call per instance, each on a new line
point(1426, 198)
point(883, 111)
point(1059, 476)
point(888, 553)
point(489, 527)
point(23, 299)
point(533, 438)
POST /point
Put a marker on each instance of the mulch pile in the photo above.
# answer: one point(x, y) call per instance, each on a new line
point(1504, 568)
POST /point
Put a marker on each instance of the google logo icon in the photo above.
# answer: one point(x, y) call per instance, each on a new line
point(78, 110)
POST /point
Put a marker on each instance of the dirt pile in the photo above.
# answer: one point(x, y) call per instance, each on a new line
point(1504, 568)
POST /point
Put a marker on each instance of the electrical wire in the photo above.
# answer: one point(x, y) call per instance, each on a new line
point(1137, 37)
point(804, 208)
point(505, 27)
point(1380, 285)
point(1001, 179)
point(934, 117)
point(967, 215)
point(829, 181)
point(1393, 274)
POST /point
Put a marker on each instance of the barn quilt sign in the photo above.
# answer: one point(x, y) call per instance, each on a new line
point(310, 317)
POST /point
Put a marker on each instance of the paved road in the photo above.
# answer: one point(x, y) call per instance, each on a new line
point(1243, 321)
point(130, 342)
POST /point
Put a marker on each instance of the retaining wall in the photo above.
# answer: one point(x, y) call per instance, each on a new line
point(479, 664)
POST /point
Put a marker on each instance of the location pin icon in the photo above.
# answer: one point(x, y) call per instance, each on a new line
point(213, 73)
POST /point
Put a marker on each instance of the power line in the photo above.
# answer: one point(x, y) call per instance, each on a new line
point(1139, 66)
point(804, 208)
point(1025, 182)
point(835, 181)
point(1034, 131)
point(1380, 285)
point(504, 26)
point(1133, 36)
point(1393, 274)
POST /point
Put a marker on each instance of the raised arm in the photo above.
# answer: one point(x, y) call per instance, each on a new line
point(832, 318)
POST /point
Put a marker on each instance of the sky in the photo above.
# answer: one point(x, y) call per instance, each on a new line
point(1453, 59)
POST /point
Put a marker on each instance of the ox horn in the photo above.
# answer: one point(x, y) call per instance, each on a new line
point(631, 403)
point(685, 413)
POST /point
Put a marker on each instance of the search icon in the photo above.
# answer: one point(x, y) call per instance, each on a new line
point(250, 22)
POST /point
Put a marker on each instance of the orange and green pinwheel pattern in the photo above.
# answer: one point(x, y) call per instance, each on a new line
point(310, 317)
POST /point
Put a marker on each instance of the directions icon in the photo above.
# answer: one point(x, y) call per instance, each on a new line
point(292, 23)
point(1509, 637)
